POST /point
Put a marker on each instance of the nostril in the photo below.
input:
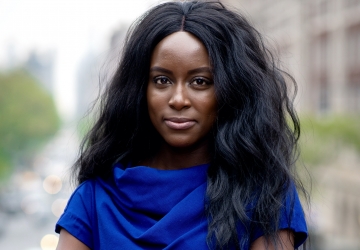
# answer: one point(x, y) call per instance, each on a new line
point(179, 101)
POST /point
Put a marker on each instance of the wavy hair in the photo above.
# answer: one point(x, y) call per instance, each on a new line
point(256, 131)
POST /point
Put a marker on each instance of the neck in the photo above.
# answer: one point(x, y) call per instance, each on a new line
point(170, 158)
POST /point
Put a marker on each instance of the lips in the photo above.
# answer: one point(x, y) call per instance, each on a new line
point(178, 123)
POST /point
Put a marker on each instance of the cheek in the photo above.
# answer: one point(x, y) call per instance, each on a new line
point(208, 105)
point(213, 107)
point(211, 111)
point(155, 103)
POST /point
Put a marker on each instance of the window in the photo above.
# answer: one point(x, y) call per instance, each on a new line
point(319, 72)
point(352, 3)
point(353, 68)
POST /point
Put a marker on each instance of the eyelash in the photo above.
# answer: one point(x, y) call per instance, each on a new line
point(162, 80)
point(156, 79)
point(204, 81)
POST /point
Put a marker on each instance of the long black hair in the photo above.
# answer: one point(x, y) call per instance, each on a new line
point(256, 131)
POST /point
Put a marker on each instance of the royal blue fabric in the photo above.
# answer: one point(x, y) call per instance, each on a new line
point(147, 208)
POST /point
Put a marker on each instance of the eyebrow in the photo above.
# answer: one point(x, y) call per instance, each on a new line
point(160, 69)
point(200, 70)
point(193, 71)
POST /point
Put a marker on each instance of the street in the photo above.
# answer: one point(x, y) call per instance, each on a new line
point(36, 196)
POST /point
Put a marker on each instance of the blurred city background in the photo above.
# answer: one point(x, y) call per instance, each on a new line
point(54, 55)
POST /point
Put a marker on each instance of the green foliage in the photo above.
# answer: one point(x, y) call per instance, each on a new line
point(323, 138)
point(27, 117)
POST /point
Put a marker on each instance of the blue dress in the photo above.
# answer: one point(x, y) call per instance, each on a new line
point(147, 208)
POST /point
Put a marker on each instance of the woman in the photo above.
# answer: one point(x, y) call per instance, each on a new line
point(191, 149)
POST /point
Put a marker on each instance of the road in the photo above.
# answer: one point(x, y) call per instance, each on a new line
point(37, 195)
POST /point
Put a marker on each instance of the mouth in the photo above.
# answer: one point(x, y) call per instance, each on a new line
point(178, 123)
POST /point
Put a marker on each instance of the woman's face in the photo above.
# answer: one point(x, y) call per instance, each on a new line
point(180, 93)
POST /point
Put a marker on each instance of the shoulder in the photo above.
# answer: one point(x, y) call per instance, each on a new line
point(88, 193)
point(79, 217)
point(84, 188)
point(80, 203)
point(291, 218)
point(83, 193)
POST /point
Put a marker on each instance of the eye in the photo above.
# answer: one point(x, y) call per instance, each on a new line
point(161, 80)
point(200, 82)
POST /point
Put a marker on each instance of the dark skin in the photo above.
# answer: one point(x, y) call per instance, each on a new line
point(181, 101)
point(182, 107)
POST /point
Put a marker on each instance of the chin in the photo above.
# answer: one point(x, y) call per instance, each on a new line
point(180, 145)
point(179, 142)
point(185, 142)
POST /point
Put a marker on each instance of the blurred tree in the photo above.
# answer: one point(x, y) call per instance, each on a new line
point(27, 117)
point(324, 138)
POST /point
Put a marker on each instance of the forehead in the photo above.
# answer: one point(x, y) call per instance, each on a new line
point(179, 39)
point(180, 45)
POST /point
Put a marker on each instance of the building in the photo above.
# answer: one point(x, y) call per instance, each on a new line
point(41, 66)
point(96, 70)
point(318, 42)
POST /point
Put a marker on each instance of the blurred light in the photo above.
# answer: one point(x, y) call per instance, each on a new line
point(29, 181)
point(52, 184)
point(49, 242)
point(58, 207)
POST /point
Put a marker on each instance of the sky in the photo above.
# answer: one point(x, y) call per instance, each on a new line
point(71, 28)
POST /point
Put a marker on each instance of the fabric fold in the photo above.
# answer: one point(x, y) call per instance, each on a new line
point(145, 208)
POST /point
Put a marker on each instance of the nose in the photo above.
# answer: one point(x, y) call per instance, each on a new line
point(179, 99)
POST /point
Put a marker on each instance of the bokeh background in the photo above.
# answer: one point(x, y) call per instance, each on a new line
point(55, 55)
